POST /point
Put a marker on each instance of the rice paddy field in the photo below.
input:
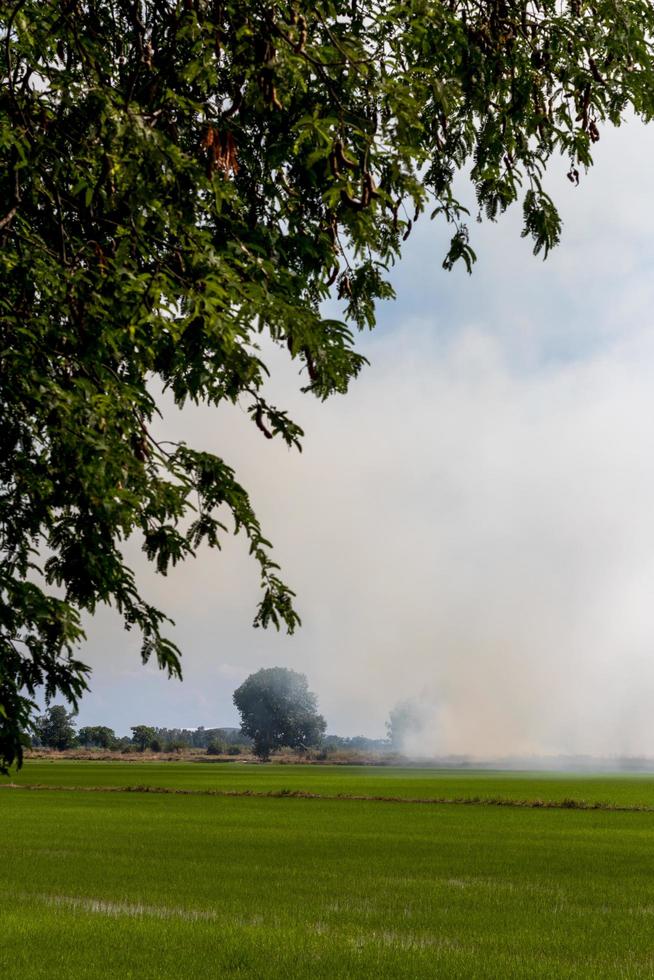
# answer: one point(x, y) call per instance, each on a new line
point(198, 870)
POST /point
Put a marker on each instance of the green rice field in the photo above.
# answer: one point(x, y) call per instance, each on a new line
point(194, 884)
point(410, 783)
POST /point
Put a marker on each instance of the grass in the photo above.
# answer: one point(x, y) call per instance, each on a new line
point(98, 884)
point(617, 790)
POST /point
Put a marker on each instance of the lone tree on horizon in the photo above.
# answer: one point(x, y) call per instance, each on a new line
point(279, 711)
point(55, 729)
point(143, 736)
point(181, 179)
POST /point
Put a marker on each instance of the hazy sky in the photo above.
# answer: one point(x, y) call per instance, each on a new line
point(472, 526)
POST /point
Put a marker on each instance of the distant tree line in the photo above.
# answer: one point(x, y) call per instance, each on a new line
point(277, 711)
point(56, 729)
point(354, 743)
point(216, 741)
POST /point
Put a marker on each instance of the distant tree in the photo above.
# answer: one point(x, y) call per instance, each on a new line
point(355, 743)
point(55, 728)
point(175, 745)
point(278, 709)
point(142, 736)
point(234, 737)
point(97, 735)
point(216, 748)
point(200, 738)
point(402, 722)
point(155, 745)
point(175, 737)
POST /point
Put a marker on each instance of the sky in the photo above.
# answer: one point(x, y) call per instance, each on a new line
point(471, 528)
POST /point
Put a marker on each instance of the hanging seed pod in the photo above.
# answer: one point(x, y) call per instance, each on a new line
point(351, 202)
point(342, 159)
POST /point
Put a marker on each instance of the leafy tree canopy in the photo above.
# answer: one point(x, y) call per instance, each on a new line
point(277, 709)
point(143, 736)
point(181, 178)
point(55, 729)
point(97, 735)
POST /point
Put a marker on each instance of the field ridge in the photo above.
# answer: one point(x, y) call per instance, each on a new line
point(498, 801)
